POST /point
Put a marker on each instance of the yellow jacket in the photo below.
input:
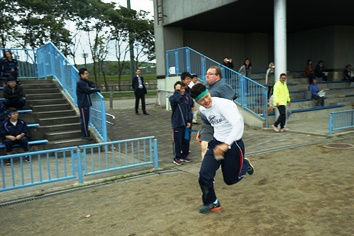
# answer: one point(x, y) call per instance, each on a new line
point(280, 94)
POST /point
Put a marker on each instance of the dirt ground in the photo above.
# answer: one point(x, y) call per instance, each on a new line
point(306, 190)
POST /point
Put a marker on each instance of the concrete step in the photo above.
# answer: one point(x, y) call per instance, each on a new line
point(43, 96)
point(58, 107)
point(68, 143)
point(59, 127)
point(59, 120)
point(36, 81)
point(41, 91)
point(38, 85)
point(52, 114)
point(52, 101)
point(64, 135)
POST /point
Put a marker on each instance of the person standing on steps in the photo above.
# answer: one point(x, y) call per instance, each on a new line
point(139, 92)
point(84, 87)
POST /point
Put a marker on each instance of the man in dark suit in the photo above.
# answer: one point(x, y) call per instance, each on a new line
point(139, 91)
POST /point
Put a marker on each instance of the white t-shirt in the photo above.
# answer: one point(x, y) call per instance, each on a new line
point(191, 84)
point(226, 119)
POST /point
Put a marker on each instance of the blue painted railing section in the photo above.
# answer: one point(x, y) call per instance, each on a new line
point(51, 62)
point(252, 96)
point(340, 120)
point(26, 58)
point(75, 163)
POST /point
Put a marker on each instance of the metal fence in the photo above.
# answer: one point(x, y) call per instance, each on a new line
point(54, 165)
point(340, 120)
point(252, 96)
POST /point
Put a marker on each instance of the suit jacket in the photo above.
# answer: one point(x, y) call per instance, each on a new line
point(135, 84)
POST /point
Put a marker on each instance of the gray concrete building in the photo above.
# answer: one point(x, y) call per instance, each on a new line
point(284, 31)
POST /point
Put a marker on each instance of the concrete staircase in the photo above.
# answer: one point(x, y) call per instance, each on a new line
point(57, 118)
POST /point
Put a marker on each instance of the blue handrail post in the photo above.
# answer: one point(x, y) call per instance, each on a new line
point(330, 123)
point(156, 157)
point(79, 165)
point(188, 60)
point(177, 64)
point(203, 68)
point(103, 117)
point(265, 106)
point(167, 64)
point(243, 94)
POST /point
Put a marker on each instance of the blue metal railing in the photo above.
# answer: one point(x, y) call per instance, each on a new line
point(252, 96)
point(54, 165)
point(340, 120)
point(48, 61)
point(51, 62)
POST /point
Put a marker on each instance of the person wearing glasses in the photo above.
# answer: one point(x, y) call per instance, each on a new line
point(217, 88)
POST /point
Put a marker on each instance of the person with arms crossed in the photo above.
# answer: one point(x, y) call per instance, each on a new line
point(225, 150)
point(84, 87)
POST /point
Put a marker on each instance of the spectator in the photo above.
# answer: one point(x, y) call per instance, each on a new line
point(14, 131)
point(217, 88)
point(181, 121)
point(246, 68)
point(186, 79)
point(196, 106)
point(348, 74)
point(139, 92)
point(84, 87)
point(270, 80)
point(320, 71)
point(309, 72)
point(225, 150)
point(315, 93)
point(228, 62)
point(281, 98)
point(10, 66)
point(13, 94)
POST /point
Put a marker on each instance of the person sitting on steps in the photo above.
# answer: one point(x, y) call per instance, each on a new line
point(314, 93)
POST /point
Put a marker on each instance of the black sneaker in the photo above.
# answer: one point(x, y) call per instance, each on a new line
point(250, 169)
point(27, 159)
point(177, 161)
point(210, 208)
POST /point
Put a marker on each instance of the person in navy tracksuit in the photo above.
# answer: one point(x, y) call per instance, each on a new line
point(14, 131)
point(84, 88)
point(181, 119)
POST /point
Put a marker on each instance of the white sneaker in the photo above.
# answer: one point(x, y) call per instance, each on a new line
point(275, 128)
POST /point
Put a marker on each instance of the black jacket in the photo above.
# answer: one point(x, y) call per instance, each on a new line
point(135, 84)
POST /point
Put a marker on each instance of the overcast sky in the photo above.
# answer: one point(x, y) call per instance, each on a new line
point(146, 5)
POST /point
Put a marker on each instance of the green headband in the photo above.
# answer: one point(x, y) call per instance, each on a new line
point(197, 98)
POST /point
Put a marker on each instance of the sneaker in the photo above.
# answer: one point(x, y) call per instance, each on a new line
point(178, 162)
point(27, 159)
point(275, 128)
point(210, 208)
point(250, 169)
point(187, 159)
point(8, 162)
